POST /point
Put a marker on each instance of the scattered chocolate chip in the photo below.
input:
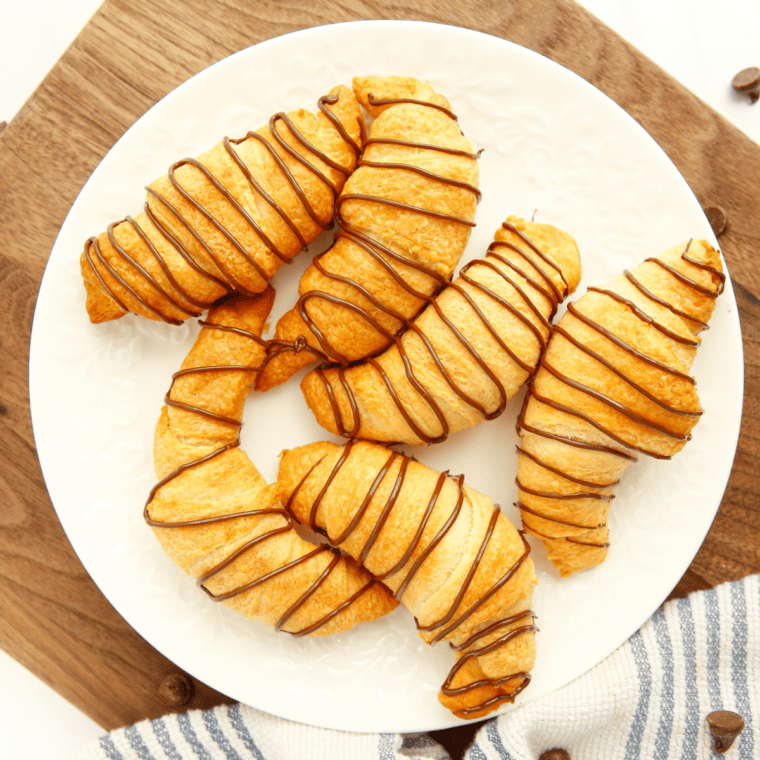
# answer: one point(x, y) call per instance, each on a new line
point(718, 218)
point(176, 689)
point(725, 726)
point(555, 754)
point(747, 82)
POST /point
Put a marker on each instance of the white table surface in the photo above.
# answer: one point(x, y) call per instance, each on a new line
point(702, 43)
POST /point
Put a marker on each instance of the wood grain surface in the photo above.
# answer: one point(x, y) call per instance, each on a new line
point(55, 621)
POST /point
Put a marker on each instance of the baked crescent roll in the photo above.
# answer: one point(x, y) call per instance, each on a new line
point(613, 383)
point(215, 515)
point(465, 355)
point(444, 549)
point(404, 219)
point(227, 220)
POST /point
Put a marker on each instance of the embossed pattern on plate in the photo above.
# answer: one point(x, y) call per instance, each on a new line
point(554, 146)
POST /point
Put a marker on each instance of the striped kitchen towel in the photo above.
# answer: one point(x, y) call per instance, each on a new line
point(648, 700)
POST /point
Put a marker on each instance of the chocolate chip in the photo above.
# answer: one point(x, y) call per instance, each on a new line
point(555, 754)
point(725, 726)
point(176, 689)
point(747, 82)
point(747, 79)
point(717, 217)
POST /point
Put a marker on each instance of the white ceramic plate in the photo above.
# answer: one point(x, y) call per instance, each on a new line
point(555, 146)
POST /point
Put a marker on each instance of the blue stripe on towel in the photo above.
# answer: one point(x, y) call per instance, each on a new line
point(713, 649)
point(236, 719)
point(213, 727)
point(665, 729)
point(385, 747)
point(633, 745)
point(692, 724)
point(137, 743)
point(739, 667)
point(493, 735)
point(162, 735)
point(110, 748)
point(183, 720)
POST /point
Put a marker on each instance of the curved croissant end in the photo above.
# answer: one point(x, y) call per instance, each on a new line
point(227, 220)
point(613, 383)
point(444, 549)
point(213, 512)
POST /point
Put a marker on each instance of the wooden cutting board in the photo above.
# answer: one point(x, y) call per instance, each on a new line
point(55, 621)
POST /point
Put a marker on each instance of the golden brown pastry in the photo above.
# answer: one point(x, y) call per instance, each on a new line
point(404, 218)
point(213, 512)
point(612, 384)
point(444, 549)
point(465, 355)
point(227, 220)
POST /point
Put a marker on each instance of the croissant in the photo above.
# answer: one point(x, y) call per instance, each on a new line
point(613, 383)
point(452, 557)
point(404, 218)
point(215, 515)
point(465, 355)
point(227, 220)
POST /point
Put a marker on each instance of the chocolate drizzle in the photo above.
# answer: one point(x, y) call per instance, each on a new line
point(285, 525)
point(671, 374)
point(540, 331)
point(209, 264)
point(446, 625)
point(377, 250)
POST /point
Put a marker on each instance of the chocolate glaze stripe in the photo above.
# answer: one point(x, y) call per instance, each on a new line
point(322, 104)
point(570, 540)
point(707, 268)
point(566, 496)
point(521, 425)
point(374, 101)
point(616, 405)
point(246, 172)
point(644, 317)
point(183, 252)
point(288, 175)
point(221, 228)
point(682, 278)
point(198, 410)
point(144, 272)
point(93, 243)
point(580, 415)
point(200, 305)
point(321, 155)
point(559, 330)
point(547, 294)
point(425, 173)
point(229, 283)
point(540, 337)
point(493, 590)
point(565, 475)
point(421, 146)
point(236, 330)
point(404, 206)
point(523, 508)
point(385, 512)
point(465, 584)
point(546, 259)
